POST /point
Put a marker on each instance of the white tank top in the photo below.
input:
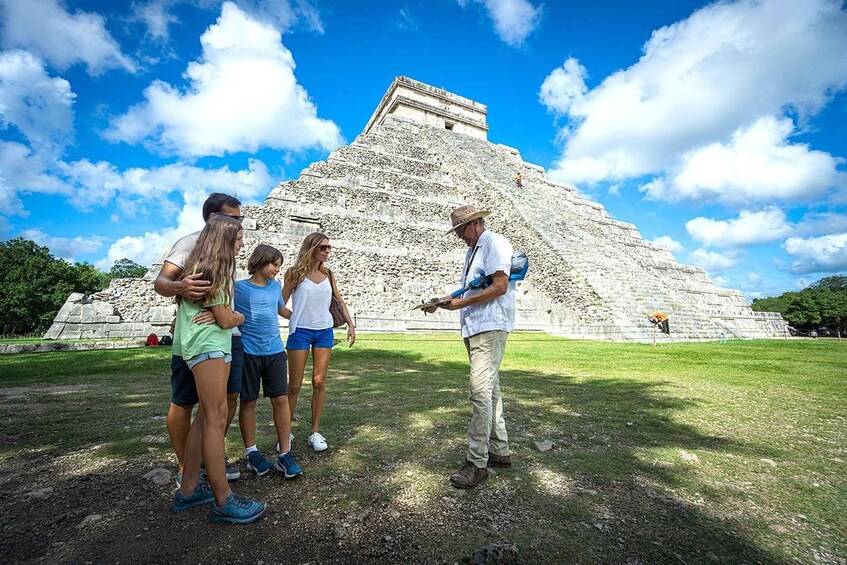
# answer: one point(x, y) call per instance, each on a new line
point(310, 306)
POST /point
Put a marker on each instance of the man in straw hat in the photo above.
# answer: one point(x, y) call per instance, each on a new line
point(487, 316)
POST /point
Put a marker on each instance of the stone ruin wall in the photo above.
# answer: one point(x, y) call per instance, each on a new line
point(384, 200)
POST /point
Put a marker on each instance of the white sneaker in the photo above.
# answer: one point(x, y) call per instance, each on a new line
point(290, 444)
point(317, 441)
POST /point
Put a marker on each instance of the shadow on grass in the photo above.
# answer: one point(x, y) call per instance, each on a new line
point(396, 425)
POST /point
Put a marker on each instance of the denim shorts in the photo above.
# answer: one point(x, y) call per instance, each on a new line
point(197, 359)
point(303, 339)
point(183, 388)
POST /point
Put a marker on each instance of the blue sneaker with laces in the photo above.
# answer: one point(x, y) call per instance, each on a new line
point(202, 495)
point(237, 509)
point(258, 463)
point(286, 464)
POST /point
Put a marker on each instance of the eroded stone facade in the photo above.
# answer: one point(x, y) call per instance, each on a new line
point(384, 201)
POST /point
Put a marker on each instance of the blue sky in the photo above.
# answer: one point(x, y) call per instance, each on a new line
point(718, 129)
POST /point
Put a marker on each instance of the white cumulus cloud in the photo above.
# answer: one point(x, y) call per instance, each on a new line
point(826, 253)
point(157, 18)
point(243, 96)
point(730, 69)
point(748, 228)
point(758, 163)
point(158, 15)
point(563, 86)
point(822, 223)
point(38, 105)
point(669, 243)
point(135, 191)
point(514, 20)
point(66, 247)
point(22, 170)
point(46, 28)
point(284, 14)
point(142, 190)
point(713, 261)
point(197, 184)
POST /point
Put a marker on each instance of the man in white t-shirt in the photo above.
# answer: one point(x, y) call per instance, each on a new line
point(487, 316)
point(170, 282)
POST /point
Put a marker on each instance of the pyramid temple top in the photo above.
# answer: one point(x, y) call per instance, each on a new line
point(425, 104)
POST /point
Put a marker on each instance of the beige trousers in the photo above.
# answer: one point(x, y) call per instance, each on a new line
point(487, 429)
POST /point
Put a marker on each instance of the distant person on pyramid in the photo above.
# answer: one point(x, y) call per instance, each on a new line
point(171, 282)
point(518, 180)
point(659, 319)
point(486, 316)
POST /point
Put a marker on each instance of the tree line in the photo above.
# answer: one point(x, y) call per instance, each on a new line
point(823, 303)
point(34, 284)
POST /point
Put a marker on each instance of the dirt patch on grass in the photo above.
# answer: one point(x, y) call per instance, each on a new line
point(78, 508)
point(29, 391)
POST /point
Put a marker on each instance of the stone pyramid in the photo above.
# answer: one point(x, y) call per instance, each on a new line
point(383, 200)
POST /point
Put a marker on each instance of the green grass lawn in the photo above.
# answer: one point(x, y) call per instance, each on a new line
point(689, 452)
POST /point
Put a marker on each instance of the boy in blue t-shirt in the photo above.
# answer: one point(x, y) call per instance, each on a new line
point(259, 298)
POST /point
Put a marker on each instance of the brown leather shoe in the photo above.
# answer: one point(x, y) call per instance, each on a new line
point(495, 460)
point(468, 476)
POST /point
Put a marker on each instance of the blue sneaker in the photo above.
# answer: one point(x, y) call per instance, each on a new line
point(178, 480)
point(258, 463)
point(232, 474)
point(238, 509)
point(202, 495)
point(286, 464)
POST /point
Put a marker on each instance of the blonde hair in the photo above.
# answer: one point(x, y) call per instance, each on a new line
point(305, 260)
point(214, 256)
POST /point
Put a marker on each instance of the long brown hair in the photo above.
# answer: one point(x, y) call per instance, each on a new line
point(214, 255)
point(306, 260)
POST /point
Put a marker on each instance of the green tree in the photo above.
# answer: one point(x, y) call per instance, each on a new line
point(773, 304)
point(34, 285)
point(833, 308)
point(803, 310)
point(127, 269)
point(822, 302)
point(835, 282)
point(88, 279)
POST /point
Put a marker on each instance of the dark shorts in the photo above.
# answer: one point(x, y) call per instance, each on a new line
point(306, 339)
point(183, 388)
point(271, 370)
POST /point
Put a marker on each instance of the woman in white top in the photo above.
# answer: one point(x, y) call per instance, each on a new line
point(310, 285)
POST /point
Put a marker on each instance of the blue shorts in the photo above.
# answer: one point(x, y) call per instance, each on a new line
point(303, 339)
point(183, 388)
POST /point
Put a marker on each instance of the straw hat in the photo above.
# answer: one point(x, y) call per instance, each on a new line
point(464, 214)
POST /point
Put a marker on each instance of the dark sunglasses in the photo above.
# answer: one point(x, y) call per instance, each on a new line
point(238, 218)
point(323, 248)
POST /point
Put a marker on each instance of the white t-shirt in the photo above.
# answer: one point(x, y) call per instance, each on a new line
point(180, 250)
point(310, 306)
point(493, 254)
point(179, 253)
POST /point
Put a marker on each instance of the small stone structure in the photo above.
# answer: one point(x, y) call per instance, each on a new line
point(384, 201)
point(425, 104)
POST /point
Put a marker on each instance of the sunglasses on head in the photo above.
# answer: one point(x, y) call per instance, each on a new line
point(325, 248)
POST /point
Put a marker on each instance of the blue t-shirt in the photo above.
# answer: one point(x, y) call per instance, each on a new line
point(260, 306)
